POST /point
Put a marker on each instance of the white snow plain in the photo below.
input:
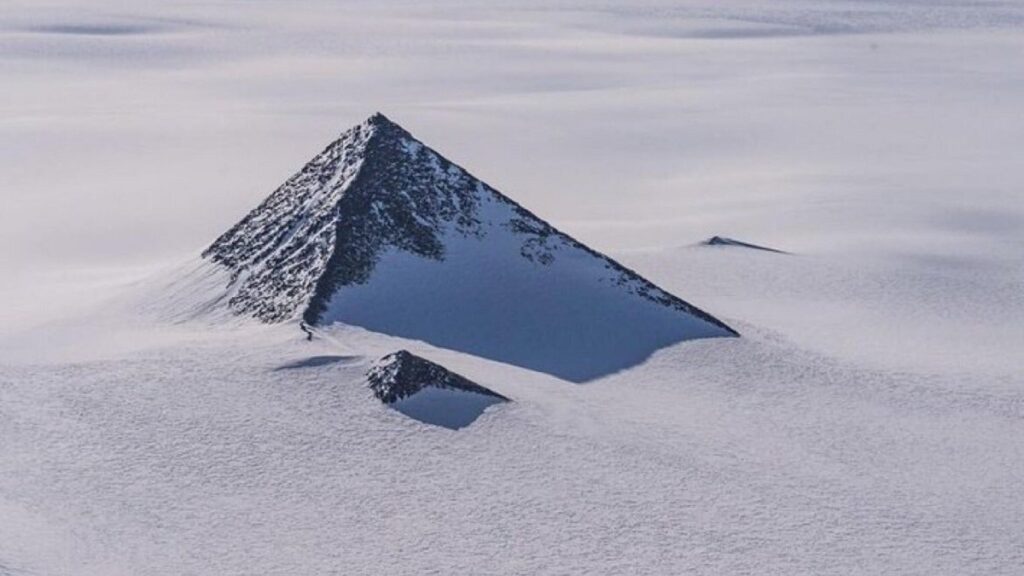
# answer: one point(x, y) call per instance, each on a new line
point(869, 421)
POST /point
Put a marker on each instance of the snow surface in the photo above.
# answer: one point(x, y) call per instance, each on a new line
point(870, 421)
point(451, 409)
point(569, 317)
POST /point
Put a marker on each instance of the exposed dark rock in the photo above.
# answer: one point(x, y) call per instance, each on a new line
point(375, 189)
point(723, 241)
point(403, 374)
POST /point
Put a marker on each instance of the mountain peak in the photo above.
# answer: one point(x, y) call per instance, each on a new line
point(379, 119)
point(381, 231)
point(381, 125)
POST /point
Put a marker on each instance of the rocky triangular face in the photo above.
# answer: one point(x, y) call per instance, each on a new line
point(429, 392)
point(373, 187)
point(380, 231)
point(402, 374)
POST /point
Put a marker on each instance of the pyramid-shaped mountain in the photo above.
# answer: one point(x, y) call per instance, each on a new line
point(380, 231)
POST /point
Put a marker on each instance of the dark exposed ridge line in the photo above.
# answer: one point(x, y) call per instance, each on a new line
point(402, 374)
point(350, 262)
point(723, 241)
point(328, 283)
point(211, 250)
point(376, 187)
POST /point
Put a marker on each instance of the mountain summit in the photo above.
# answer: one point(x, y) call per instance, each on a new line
point(381, 231)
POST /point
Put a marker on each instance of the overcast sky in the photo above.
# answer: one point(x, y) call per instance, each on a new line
point(135, 132)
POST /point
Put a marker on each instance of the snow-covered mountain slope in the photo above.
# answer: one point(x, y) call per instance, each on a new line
point(382, 232)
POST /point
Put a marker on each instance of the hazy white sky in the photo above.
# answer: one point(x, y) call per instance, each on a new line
point(138, 131)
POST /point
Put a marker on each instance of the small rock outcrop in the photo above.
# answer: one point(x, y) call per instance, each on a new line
point(428, 392)
point(723, 241)
point(402, 374)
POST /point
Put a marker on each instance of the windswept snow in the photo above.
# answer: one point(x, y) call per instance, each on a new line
point(716, 456)
point(870, 421)
point(445, 407)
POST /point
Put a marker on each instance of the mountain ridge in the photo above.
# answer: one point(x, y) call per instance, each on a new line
point(381, 232)
point(374, 186)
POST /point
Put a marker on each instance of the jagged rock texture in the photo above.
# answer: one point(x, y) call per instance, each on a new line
point(374, 188)
point(402, 374)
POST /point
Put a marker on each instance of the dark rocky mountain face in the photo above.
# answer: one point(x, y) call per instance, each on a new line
point(381, 232)
point(403, 197)
point(373, 190)
point(402, 374)
point(279, 251)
